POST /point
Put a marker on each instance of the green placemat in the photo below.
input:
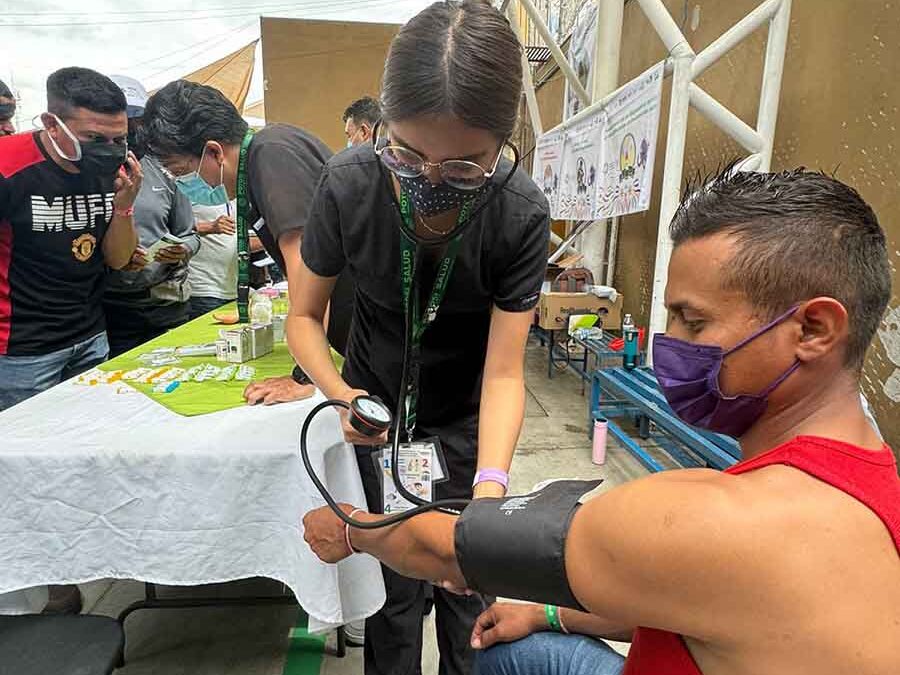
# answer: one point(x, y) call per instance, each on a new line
point(200, 398)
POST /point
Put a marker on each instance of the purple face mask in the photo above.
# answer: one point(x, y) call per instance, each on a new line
point(688, 375)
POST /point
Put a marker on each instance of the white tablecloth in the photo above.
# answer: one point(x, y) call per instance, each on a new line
point(95, 484)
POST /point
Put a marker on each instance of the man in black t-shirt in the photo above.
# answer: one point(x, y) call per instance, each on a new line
point(66, 204)
point(7, 110)
point(197, 134)
point(360, 119)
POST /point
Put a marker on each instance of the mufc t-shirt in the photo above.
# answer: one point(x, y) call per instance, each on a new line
point(51, 266)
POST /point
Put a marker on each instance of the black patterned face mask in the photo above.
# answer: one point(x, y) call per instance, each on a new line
point(429, 199)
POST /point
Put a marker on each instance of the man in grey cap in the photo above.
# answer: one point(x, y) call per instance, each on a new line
point(7, 110)
point(150, 295)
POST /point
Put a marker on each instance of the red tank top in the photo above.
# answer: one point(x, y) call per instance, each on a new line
point(869, 476)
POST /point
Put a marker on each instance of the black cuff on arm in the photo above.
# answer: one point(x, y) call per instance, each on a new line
point(515, 546)
point(300, 376)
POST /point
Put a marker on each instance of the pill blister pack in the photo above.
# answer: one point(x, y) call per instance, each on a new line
point(245, 373)
point(97, 376)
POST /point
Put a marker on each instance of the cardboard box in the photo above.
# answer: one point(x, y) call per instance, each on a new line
point(554, 309)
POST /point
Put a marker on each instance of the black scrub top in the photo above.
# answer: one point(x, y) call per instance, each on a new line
point(354, 223)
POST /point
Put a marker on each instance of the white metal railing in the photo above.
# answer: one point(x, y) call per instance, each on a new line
point(685, 66)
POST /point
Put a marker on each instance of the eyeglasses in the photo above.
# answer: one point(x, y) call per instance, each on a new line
point(457, 173)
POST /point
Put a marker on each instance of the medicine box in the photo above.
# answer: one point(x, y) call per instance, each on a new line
point(245, 344)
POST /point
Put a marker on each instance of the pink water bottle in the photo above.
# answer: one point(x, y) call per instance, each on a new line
point(598, 454)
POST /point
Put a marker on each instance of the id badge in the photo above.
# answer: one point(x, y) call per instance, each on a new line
point(421, 466)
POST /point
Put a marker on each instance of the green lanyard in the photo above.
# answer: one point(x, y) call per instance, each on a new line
point(419, 322)
point(243, 233)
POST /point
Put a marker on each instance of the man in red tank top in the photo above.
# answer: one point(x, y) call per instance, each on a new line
point(786, 563)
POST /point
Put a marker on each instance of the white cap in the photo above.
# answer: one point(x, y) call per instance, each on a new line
point(135, 94)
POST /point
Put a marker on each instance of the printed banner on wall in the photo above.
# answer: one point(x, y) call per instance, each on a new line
point(581, 55)
point(547, 166)
point(582, 154)
point(629, 146)
point(602, 166)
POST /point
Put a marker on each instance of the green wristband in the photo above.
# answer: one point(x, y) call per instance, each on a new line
point(552, 612)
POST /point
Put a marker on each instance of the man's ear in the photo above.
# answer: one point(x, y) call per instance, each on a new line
point(47, 120)
point(825, 328)
point(215, 150)
point(366, 132)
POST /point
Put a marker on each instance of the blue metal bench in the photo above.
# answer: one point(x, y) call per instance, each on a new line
point(558, 353)
point(616, 392)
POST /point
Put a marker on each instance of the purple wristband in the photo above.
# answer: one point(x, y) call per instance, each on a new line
point(492, 475)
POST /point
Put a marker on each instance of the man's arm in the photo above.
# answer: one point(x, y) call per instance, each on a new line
point(283, 388)
point(511, 621)
point(121, 236)
point(502, 394)
point(674, 551)
point(305, 329)
point(421, 547)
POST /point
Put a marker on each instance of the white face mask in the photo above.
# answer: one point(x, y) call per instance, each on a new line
point(72, 137)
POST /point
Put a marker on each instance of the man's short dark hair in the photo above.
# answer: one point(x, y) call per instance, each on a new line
point(800, 234)
point(182, 116)
point(5, 91)
point(364, 110)
point(70, 88)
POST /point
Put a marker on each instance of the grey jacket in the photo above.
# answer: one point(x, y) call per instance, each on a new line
point(158, 209)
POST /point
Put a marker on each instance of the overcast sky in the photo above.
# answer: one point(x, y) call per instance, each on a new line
point(155, 41)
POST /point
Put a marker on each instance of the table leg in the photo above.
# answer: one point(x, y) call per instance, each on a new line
point(550, 354)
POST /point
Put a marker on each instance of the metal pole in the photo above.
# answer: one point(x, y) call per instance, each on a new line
point(671, 185)
point(664, 25)
point(726, 120)
point(534, 112)
point(566, 245)
point(771, 85)
point(558, 56)
point(612, 249)
point(730, 38)
point(605, 79)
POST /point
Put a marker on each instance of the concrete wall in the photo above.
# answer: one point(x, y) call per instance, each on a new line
point(840, 109)
point(314, 69)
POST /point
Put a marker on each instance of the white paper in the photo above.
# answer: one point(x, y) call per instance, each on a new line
point(418, 470)
point(165, 241)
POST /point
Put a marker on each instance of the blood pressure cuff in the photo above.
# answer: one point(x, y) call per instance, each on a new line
point(515, 546)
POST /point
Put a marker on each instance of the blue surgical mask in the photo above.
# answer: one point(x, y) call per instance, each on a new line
point(198, 191)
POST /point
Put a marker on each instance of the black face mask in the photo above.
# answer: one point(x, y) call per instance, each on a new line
point(102, 158)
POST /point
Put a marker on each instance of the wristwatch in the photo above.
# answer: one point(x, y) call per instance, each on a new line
point(300, 376)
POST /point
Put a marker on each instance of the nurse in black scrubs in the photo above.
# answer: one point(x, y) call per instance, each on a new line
point(450, 98)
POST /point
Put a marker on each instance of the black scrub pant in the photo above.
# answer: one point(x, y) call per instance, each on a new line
point(394, 635)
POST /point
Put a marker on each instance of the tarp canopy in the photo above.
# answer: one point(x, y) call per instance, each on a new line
point(256, 109)
point(231, 74)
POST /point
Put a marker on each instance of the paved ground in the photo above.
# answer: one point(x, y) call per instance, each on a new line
point(247, 641)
